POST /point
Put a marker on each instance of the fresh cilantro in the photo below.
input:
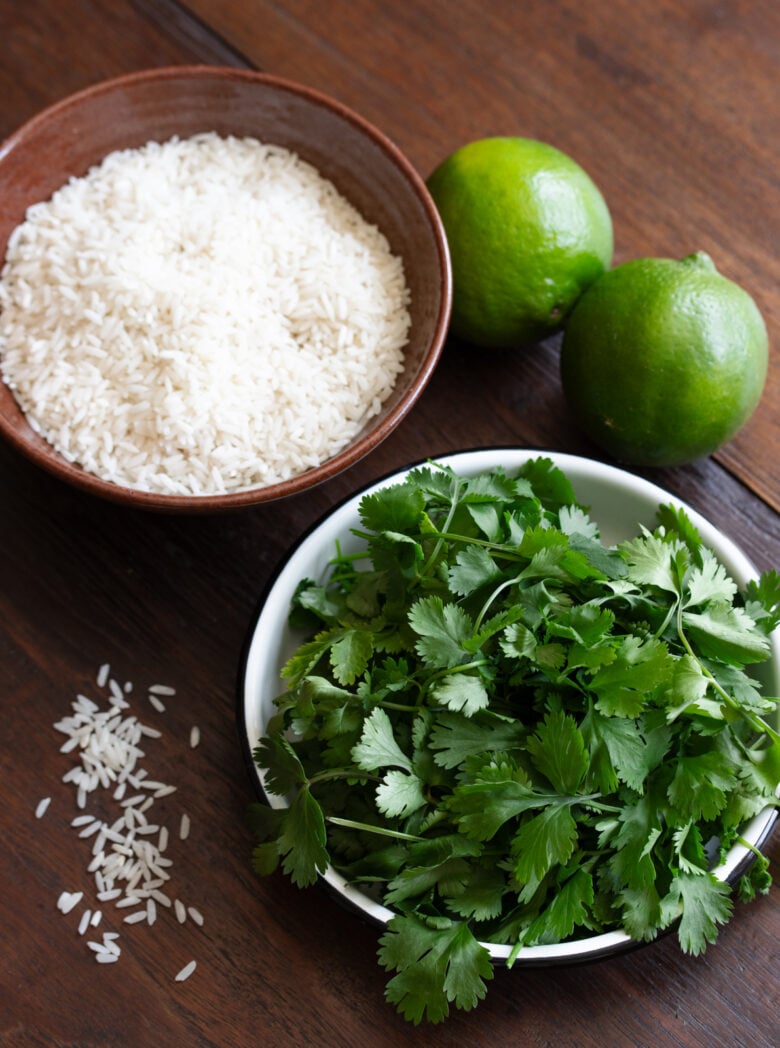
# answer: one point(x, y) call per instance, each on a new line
point(438, 962)
point(514, 734)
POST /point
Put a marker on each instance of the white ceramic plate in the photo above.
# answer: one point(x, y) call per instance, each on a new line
point(618, 502)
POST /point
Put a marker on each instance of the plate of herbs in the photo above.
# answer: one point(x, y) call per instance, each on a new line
point(516, 708)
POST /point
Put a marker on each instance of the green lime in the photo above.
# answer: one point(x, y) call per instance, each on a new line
point(528, 231)
point(663, 361)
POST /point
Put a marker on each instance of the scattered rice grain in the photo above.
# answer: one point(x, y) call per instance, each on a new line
point(68, 900)
point(196, 915)
point(186, 971)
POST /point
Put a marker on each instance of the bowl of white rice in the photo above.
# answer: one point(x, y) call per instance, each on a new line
point(218, 288)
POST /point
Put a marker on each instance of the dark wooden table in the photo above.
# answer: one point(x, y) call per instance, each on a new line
point(672, 108)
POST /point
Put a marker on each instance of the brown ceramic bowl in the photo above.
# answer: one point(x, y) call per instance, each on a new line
point(76, 133)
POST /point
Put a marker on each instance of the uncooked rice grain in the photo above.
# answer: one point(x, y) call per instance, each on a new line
point(200, 316)
point(186, 971)
point(127, 866)
point(196, 915)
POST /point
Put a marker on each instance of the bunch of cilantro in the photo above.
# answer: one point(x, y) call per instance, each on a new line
point(510, 733)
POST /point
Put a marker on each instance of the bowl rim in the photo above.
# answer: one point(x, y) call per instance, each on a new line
point(592, 948)
point(49, 459)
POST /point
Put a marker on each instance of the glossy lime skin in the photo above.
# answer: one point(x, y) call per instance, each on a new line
point(528, 231)
point(664, 361)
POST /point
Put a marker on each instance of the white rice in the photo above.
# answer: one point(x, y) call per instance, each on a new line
point(186, 971)
point(196, 915)
point(200, 316)
point(128, 867)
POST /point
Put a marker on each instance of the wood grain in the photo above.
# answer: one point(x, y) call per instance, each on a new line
point(671, 106)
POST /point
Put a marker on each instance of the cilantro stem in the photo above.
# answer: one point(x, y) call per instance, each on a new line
point(353, 773)
point(366, 827)
point(441, 534)
point(497, 547)
point(484, 609)
point(446, 671)
point(676, 607)
point(756, 722)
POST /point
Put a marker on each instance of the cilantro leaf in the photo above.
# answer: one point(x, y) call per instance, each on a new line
point(302, 840)
point(281, 763)
point(698, 787)
point(350, 654)
point(708, 581)
point(442, 630)
point(558, 751)
point(482, 808)
point(377, 747)
point(574, 520)
point(445, 866)
point(631, 863)
point(727, 633)
point(703, 902)
point(687, 690)
point(652, 561)
point(550, 484)
point(763, 598)
point(641, 911)
point(462, 692)
point(542, 841)
point(320, 601)
point(399, 794)
point(757, 880)
point(306, 657)
point(437, 962)
point(473, 567)
point(398, 508)
point(265, 858)
point(639, 670)
point(482, 894)
point(567, 909)
point(628, 757)
point(455, 737)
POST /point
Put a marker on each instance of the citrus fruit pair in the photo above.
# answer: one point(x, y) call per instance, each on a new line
point(662, 361)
